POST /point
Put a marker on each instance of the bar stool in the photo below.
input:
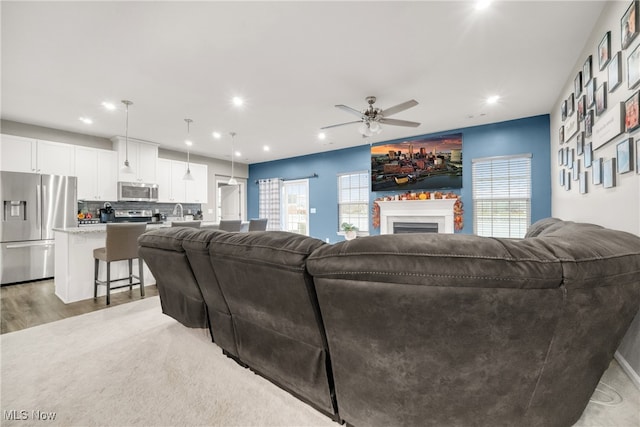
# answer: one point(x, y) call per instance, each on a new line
point(230, 225)
point(191, 224)
point(258, 224)
point(121, 244)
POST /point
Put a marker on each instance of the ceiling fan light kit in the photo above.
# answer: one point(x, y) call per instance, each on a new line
point(372, 117)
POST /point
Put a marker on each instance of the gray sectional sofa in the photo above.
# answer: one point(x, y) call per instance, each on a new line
point(407, 330)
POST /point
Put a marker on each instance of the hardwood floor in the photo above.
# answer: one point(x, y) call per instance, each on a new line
point(34, 303)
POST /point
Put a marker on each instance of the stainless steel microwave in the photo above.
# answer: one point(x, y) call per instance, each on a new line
point(137, 192)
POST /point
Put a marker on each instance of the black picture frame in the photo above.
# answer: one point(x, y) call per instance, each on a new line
point(604, 51)
point(586, 70)
point(581, 108)
point(624, 155)
point(629, 25)
point(633, 68)
point(632, 112)
point(601, 99)
point(588, 155)
point(588, 123)
point(571, 105)
point(596, 171)
point(608, 173)
point(580, 144)
point(577, 84)
point(614, 72)
point(591, 92)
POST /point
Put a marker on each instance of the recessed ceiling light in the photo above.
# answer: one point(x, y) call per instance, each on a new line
point(322, 136)
point(493, 99)
point(189, 143)
point(237, 101)
point(216, 135)
point(238, 154)
point(86, 120)
point(482, 4)
point(109, 105)
point(266, 148)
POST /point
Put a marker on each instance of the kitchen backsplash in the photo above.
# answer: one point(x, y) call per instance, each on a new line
point(162, 208)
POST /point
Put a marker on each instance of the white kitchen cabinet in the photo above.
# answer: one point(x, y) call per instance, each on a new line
point(197, 190)
point(19, 154)
point(173, 189)
point(97, 174)
point(143, 160)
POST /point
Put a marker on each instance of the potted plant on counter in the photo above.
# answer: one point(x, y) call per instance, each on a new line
point(350, 230)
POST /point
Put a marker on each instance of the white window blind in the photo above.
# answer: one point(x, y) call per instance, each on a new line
point(353, 199)
point(502, 196)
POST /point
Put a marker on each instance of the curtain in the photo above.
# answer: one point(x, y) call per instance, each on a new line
point(269, 204)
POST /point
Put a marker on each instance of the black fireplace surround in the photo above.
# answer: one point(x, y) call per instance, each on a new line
point(412, 329)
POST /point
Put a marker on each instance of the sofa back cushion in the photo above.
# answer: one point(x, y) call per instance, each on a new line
point(273, 304)
point(180, 295)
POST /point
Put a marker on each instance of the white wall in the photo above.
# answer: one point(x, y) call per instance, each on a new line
point(618, 207)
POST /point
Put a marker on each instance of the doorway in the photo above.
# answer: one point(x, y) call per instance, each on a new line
point(230, 203)
point(295, 206)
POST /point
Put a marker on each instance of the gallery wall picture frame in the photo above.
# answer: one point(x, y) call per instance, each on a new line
point(609, 173)
point(588, 123)
point(633, 68)
point(588, 155)
point(580, 143)
point(631, 112)
point(561, 177)
point(583, 182)
point(638, 156)
point(577, 84)
point(563, 110)
point(604, 50)
point(629, 25)
point(581, 108)
point(565, 157)
point(567, 181)
point(596, 171)
point(601, 99)
point(571, 157)
point(560, 156)
point(571, 105)
point(561, 134)
point(591, 93)
point(575, 170)
point(624, 155)
point(614, 72)
point(586, 70)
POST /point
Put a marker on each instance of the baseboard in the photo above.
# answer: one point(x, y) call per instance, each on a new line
point(633, 375)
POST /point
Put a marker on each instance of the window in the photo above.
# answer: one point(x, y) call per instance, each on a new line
point(502, 196)
point(353, 199)
point(295, 206)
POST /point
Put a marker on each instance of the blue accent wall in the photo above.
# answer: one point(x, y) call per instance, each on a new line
point(528, 135)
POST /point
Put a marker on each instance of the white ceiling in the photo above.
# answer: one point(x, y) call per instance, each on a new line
point(291, 62)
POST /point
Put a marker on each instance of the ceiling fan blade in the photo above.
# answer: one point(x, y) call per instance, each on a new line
point(349, 110)
point(400, 107)
point(396, 122)
point(341, 124)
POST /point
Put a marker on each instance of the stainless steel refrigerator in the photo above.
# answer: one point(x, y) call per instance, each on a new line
point(33, 204)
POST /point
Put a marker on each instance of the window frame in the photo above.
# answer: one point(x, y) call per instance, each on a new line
point(366, 201)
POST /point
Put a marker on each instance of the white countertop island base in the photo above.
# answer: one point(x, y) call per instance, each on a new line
point(74, 264)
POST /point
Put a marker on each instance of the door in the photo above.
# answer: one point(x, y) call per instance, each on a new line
point(295, 206)
point(59, 203)
point(20, 197)
point(229, 201)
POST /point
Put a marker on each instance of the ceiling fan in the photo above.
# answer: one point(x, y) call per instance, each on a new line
point(371, 117)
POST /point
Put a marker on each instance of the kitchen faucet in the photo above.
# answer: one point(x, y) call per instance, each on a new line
point(175, 210)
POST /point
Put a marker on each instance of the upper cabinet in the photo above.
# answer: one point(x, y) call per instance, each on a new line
point(173, 189)
point(97, 174)
point(19, 154)
point(143, 160)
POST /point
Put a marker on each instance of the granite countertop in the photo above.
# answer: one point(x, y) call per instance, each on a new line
point(102, 228)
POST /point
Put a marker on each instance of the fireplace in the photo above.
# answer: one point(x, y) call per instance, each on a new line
point(414, 227)
point(438, 212)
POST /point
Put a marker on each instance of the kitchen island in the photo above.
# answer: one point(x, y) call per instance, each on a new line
point(74, 262)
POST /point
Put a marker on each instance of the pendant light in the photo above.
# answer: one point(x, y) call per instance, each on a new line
point(232, 181)
point(187, 176)
point(126, 168)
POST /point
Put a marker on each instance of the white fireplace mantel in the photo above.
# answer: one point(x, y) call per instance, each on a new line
point(439, 211)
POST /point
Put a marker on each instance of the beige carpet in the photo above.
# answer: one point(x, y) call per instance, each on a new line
point(131, 365)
